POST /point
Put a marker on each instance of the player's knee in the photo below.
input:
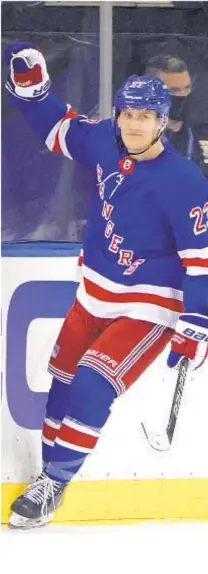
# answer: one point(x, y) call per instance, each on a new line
point(91, 397)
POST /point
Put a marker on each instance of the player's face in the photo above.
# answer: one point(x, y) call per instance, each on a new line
point(138, 128)
point(178, 84)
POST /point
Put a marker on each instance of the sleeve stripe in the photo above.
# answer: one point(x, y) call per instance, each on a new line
point(81, 258)
point(55, 140)
point(192, 253)
point(195, 262)
point(197, 271)
point(60, 143)
point(52, 135)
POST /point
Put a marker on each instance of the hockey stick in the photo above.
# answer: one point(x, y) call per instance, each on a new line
point(163, 441)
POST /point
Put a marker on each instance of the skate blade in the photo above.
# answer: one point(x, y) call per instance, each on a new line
point(17, 522)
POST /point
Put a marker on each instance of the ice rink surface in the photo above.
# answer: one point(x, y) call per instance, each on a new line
point(145, 547)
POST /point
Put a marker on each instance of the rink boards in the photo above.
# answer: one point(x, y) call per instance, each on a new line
point(124, 479)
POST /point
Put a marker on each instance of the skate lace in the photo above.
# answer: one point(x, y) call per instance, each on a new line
point(42, 490)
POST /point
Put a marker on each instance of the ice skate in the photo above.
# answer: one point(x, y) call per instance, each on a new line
point(36, 506)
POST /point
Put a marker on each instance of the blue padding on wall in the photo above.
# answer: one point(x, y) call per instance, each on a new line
point(40, 249)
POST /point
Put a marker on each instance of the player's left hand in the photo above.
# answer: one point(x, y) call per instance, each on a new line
point(189, 340)
point(28, 77)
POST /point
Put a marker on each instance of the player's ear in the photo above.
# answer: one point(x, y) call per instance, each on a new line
point(163, 122)
point(119, 121)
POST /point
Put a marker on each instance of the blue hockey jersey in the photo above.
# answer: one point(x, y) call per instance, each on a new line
point(145, 252)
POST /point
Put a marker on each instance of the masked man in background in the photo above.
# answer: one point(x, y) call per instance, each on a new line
point(191, 141)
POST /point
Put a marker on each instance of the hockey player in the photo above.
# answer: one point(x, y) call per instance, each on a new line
point(144, 272)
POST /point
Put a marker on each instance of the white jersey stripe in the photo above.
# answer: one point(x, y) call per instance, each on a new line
point(197, 270)
point(60, 128)
point(62, 137)
point(50, 140)
point(192, 253)
point(143, 311)
point(109, 285)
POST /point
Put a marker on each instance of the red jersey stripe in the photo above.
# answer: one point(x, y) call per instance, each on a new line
point(104, 295)
point(195, 262)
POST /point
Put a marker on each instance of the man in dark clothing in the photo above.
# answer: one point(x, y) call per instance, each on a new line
point(190, 140)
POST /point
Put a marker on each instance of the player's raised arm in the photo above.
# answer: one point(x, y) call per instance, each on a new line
point(29, 86)
point(189, 220)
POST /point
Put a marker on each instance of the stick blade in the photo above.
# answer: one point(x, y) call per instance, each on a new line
point(157, 441)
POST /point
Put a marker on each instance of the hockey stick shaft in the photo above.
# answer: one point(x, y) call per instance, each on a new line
point(175, 407)
point(163, 441)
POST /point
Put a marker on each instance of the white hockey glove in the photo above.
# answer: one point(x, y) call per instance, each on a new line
point(189, 340)
point(28, 77)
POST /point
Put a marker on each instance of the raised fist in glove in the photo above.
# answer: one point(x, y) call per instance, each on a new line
point(189, 340)
point(28, 77)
